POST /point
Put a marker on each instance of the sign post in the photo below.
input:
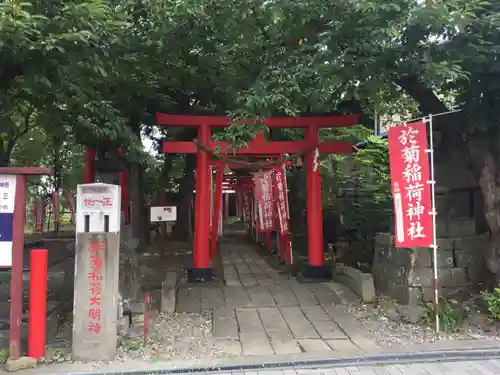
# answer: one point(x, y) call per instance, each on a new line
point(95, 314)
point(12, 216)
point(412, 180)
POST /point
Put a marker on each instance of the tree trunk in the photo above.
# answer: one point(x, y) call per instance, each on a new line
point(484, 153)
point(183, 228)
point(4, 157)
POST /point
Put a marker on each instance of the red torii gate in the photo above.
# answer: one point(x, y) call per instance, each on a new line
point(312, 146)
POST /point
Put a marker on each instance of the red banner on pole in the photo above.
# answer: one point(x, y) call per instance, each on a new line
point(280, 191)
point(409, 163)
point(264, 199)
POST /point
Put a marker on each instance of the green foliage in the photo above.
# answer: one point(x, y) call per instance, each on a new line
point(492, 300)
point(362, 181)
point(452, 314)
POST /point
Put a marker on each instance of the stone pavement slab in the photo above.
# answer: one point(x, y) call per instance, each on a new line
point(224, 323)
point(249, 320)
point(314, 345)
point(298, 323)
point(329, 330)
point(236, 297)
point(286, 346)
point(260, 296)
point(304, 295)
point(344, 345)
point(188, 299)
point(212, 297)
point(232, 347)
point(283, 295)
point(274, 323)
point(255, 343)
point(324, 294)
point(351, 327)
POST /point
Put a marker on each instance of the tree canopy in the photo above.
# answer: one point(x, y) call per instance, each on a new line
point(89, 72)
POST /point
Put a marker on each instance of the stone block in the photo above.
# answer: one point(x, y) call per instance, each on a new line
point(466, 258)
point(421, 257)
point(461, 227)
point(445, 259)
point(402, 256)
point(479, 243)
point(420, 277)
point(169, 288)
point(453, 277)
point(384, 239)
point(445, 244)
point(361, 283)
point(475, 274)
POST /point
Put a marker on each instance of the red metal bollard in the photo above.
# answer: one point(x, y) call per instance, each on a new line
point(37, 303)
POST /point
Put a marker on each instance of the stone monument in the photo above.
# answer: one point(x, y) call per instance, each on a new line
point(96, 293)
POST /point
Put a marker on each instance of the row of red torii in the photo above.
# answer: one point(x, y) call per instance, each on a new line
point(204, 148)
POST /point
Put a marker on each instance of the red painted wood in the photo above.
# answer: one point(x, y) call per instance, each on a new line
point(265, 148)
point(201, 256)
point(283, 122)
point(314, 204)
point(16, 283)
point(27, 171)
point(216, 212)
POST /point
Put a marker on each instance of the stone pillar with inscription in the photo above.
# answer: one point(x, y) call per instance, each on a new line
point(95, 310)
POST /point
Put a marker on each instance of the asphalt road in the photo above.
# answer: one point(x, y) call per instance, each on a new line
point(476, 367)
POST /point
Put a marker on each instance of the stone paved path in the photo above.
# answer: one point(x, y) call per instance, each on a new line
point(259, 311)
point(485, 367)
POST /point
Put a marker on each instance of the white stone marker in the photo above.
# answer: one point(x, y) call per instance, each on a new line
point(95, 317)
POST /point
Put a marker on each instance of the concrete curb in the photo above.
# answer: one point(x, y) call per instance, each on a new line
point(358, 360)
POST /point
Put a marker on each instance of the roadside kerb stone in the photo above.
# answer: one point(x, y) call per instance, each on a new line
point(361, 283)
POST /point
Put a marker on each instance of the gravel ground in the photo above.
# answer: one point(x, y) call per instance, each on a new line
point(389, 329)
point(174, 336)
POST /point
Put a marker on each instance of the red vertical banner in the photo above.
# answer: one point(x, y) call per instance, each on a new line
point(264, 200)
point(246, 205)
point(410, 175)
point(280, 192)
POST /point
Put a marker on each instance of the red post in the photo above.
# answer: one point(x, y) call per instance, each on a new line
point(216, 212)
point(202, 208)
point(37, 303)
point(16, 283)
point(314, 204)
point(89, 174)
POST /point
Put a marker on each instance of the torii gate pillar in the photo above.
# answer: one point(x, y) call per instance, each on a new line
point(315, 269)
point(201, 270)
